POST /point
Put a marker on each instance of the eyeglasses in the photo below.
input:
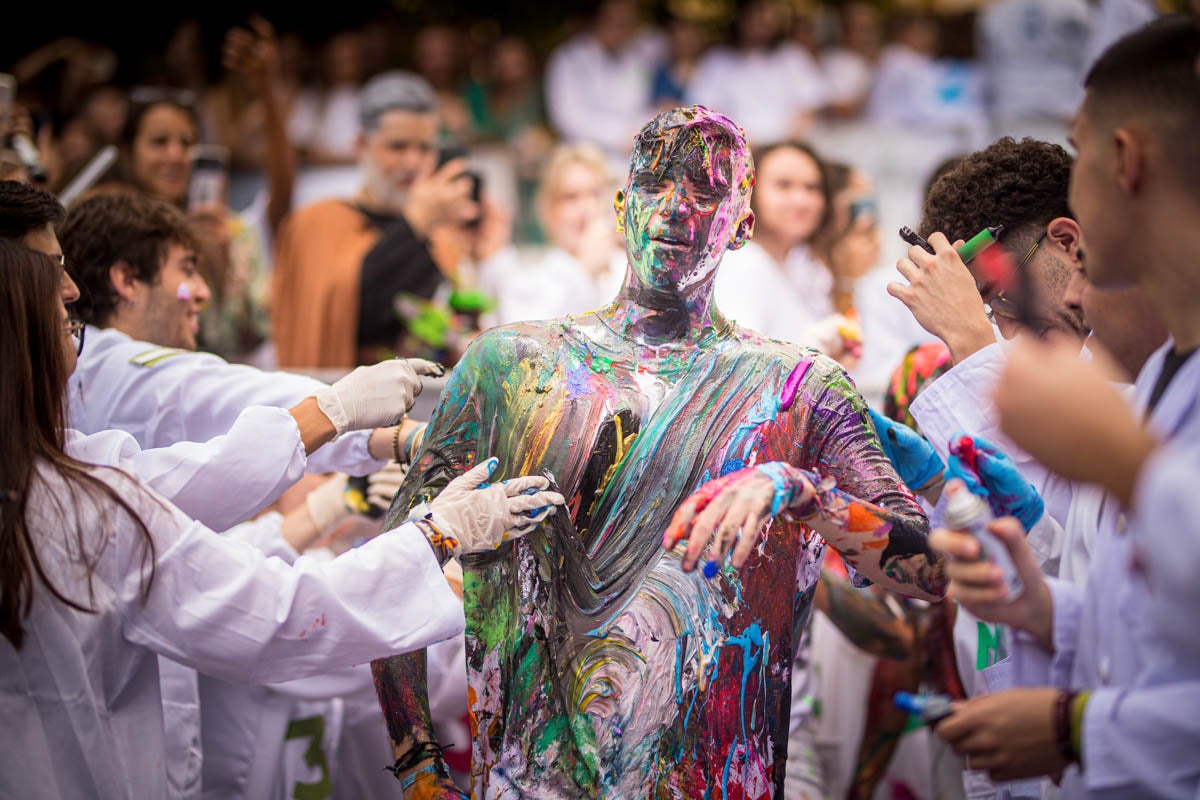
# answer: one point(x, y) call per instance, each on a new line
point(1001, 306)
point(77, 328)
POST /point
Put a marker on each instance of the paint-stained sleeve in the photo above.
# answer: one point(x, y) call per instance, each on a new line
point(840, 436)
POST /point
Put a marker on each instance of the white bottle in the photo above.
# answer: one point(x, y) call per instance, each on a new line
point(970, 514)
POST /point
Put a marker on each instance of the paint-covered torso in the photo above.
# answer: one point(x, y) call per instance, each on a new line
point(598, 668)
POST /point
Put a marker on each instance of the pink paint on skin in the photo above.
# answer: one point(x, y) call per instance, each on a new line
point(792, 385)
point(184, 292)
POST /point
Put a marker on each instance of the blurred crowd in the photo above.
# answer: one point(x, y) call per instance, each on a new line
point(876, 98)
point(390, 192)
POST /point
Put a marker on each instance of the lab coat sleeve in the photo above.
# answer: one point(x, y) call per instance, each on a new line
point(960, 402)
point(1033, 665)
point(199, 396)
point(1142, 742)
point(223, 608)
point(228, 479)
point(265, 534)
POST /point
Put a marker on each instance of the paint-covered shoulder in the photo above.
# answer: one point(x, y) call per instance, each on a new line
point(507, 344)
point(813, 369)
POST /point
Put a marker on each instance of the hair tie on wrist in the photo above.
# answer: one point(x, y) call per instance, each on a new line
point(396, 445)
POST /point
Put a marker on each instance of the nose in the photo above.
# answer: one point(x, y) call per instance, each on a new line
point(69, 290)
point(679, 198)
point(200, 290)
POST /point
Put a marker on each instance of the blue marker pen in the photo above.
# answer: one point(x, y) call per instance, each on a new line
point(931, 708)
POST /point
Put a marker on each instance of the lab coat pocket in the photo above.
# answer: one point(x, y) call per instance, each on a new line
point(999, 676)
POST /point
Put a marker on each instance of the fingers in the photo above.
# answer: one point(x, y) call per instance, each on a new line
point(939, 242)
point(902, 292)
point(531, 502)
point(703, 528)
point(751, 536)
point(452, 170)
point(957, 545)
point(681, 524)
point(1012, 533)
point(908, 268)
point(428, 369)
point(515, 486)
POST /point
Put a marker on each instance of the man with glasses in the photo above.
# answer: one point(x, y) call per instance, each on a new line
point(1023, 187)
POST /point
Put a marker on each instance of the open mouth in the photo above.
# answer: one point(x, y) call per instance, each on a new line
point(668, 240)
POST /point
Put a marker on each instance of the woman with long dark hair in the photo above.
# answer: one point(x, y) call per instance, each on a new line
point(98, 574)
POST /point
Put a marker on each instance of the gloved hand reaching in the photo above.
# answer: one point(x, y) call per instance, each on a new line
point(915, 460)
point(371, 495)
point(471, 515)
point(376, 396)
point(996, 478)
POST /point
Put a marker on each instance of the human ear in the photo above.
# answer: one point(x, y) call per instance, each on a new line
point(1130, 160)
point(619, 208)
point(123, 281)
point(745, 230)
point(1064, 232)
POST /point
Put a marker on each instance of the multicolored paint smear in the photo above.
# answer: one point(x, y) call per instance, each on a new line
point(598, 668)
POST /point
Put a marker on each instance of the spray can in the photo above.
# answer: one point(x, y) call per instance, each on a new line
point(970, 514)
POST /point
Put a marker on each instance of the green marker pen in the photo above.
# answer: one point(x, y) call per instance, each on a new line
point(979, 242)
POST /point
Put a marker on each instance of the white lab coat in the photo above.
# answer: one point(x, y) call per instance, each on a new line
point(167, 399)
point(960, 402)
point(83, 691)
point(1129, 635)
point(162, 396)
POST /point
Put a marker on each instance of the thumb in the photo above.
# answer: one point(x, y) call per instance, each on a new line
point(1009, 531)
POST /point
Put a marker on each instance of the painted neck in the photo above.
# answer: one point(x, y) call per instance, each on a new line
point(657, 317)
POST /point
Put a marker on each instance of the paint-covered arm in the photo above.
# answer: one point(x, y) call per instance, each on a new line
point(449, 449)
point(864, 617)
point(887, 543)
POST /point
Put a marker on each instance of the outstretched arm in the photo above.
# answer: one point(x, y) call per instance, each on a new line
point(887, 547)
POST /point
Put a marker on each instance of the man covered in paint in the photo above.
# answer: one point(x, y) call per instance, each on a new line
point(598, 666)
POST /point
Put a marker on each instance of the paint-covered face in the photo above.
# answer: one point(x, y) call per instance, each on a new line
point(687, 199)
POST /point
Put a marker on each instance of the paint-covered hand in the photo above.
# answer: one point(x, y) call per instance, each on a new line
point(914, 458)
point(480, 516)
point(996, 479)
point(376, 396)
point(733, 509)
point(1009, 734)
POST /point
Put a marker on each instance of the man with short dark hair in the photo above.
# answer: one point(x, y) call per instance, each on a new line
point(341, 266)
point(1118, 659)
point(28, 214)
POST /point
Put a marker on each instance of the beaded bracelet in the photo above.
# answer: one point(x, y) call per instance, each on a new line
point(396, 445)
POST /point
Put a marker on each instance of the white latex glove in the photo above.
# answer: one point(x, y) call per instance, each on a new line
point(377, 396)
point(326, 505)
point(480, 516)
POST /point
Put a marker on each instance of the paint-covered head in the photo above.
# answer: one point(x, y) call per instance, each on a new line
point(687, 199)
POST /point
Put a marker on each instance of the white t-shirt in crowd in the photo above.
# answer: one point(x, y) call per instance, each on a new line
point(326, 120)
point(848, 75)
